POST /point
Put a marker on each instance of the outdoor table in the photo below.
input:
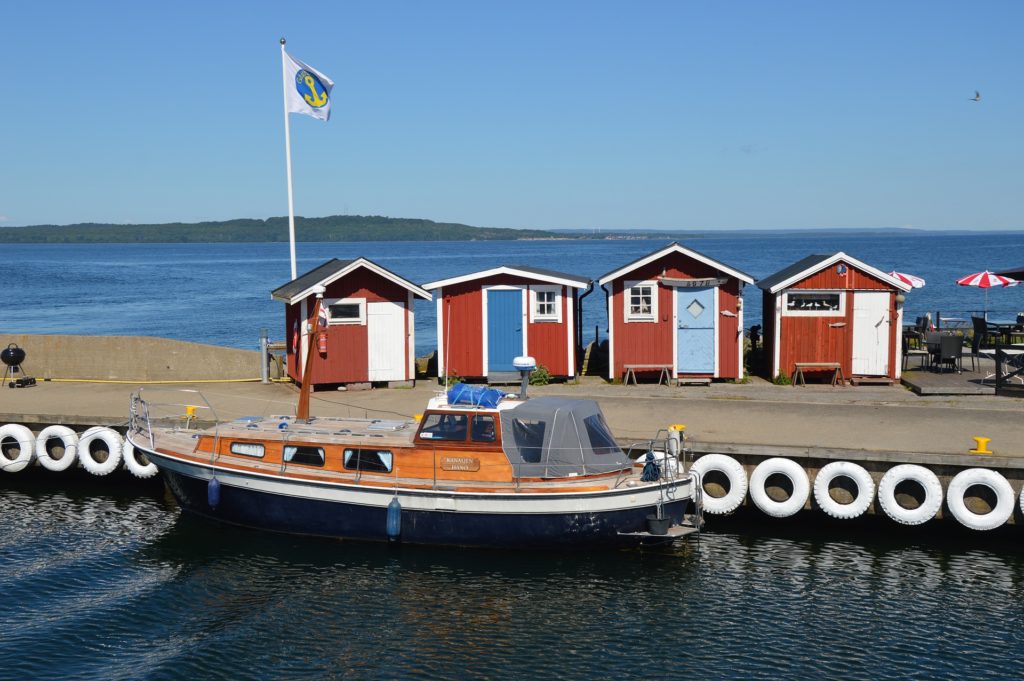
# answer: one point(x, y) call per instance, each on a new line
point(1005, 327)
point(1012, 353)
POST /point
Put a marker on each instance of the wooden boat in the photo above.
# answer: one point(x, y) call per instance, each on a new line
point(525, 473)
point(503, 471)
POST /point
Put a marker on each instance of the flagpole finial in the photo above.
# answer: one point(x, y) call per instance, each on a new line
point(282, 41)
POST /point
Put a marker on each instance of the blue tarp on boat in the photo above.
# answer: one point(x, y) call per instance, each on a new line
point(475, 395)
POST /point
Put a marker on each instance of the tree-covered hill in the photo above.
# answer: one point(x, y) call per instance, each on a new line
point(333, 228)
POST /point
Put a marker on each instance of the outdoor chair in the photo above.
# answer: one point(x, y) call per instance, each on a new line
point(982, 331)
point(913, 346)
point(951, 351)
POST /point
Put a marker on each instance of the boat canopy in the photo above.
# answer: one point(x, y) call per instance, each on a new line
point(556, 437)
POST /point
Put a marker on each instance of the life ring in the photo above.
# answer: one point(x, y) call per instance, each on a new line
point(797, 476)
point(929, 483)
point(860, 477)
point(114, 444)
point(67, 437)
point(26, 447)
point(132, 463)
point(988, 478)
point(733, 471)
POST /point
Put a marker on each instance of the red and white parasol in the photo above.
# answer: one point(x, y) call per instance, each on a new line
point(986, 280)
point(908, 279)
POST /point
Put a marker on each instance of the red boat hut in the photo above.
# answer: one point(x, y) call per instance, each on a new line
point(833, 313)
point(368, 337)
point(675, 312)
point(487, 319)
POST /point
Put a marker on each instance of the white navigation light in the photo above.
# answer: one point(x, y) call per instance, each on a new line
point(524, 363)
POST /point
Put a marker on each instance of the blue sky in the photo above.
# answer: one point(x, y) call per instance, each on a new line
point(693, 115)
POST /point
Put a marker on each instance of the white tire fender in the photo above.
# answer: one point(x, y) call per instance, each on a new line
point(26, 446)
point(861, 501)
point(733, 471)
point(797, 477)
point(132, 463)
point(67, 437)
point(109, 438)
point(988, 478)
point(919, 474)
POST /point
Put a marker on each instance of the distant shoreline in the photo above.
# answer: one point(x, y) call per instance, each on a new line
point(360, 228)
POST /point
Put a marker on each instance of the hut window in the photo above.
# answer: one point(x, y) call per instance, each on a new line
point(346, 311)
point(641, 301)
point(545, 304)
point(309, 456)
point(814, 303)
point(369, 460)
point(247, 448)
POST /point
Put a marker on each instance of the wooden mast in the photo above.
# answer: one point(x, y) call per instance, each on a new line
point(302, 413)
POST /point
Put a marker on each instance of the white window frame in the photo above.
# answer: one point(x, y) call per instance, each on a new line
point(535, 315)
point(331, 321)
point(841, 312)
point(627, 287)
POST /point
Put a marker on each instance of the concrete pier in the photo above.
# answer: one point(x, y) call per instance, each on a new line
point(876, 427)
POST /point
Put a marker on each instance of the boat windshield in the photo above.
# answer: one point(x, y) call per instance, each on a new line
point(557, 437)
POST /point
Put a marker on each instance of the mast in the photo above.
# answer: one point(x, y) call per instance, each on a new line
point(302, 412)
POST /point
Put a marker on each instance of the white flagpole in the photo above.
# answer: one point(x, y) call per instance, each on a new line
point(288, 158)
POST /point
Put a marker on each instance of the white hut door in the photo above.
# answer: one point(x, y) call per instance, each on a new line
point(871, 333)
point(385, 324)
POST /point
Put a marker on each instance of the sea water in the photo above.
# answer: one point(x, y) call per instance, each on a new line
point(220, 293)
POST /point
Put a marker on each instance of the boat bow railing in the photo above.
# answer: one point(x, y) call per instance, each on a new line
point(173, 412)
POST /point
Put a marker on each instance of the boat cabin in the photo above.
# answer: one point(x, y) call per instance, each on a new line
point(367, 325)
point(833, 313)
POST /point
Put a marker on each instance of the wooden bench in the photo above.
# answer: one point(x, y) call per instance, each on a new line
point(631, 370)
point(835, 367)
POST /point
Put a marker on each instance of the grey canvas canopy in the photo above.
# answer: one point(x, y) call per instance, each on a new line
point(555, 437)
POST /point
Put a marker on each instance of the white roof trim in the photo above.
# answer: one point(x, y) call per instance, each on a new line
point(351, 267)
point(504, 270)
point(832, 260)
point(676, 248)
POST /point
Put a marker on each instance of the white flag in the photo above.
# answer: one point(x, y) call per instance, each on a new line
point(308, 90)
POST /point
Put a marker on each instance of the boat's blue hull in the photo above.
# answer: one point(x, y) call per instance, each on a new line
point(328, 518)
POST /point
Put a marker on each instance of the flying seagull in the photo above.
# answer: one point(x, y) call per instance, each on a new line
point(976, 97)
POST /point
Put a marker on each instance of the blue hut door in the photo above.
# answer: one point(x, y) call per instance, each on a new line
point(695, 330)
point(504, 328)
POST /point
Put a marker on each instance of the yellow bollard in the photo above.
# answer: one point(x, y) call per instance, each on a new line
point(190, 411)
point(677, 426)
point(982, 445)
point(417, 417)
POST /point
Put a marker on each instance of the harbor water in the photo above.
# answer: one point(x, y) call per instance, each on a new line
point(104, 583)
point(106, 579)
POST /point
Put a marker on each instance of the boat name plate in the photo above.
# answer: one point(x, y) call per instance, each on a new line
point(460, 463)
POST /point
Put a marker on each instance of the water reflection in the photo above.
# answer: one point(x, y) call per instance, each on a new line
point(115, 584)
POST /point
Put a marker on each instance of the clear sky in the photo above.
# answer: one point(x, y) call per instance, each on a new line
point(694, 115)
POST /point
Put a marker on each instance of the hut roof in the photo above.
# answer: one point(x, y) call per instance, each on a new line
point(525, 271)
point(802, 269)
point(306, 285)
point(676, 247)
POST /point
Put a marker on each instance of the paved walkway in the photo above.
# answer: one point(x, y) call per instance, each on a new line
point(873, 418)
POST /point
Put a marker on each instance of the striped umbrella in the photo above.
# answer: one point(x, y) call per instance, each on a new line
point(986, 280)
point(908, 279)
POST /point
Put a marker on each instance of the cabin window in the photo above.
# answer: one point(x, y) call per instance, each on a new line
point(369, 460)
point(483, 428)
point(814, 303)
point(546, 304)
point(641, 298)
point(247, 448)
point(345, 311)
point(601, 439)
point(444, 427)
point(529, 438)
point(304, 454)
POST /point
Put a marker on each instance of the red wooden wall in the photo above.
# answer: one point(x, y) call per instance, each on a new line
point(346, 359)
point(651, 342)
point(462, 328)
